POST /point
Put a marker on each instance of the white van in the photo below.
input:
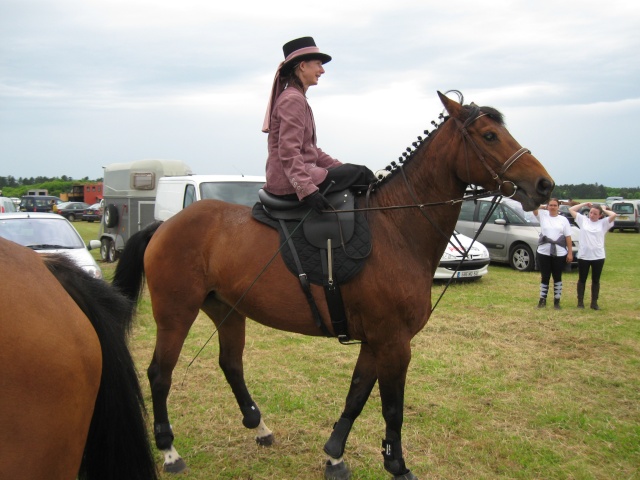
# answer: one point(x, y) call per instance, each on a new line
point(176, 193)
point(628, 217)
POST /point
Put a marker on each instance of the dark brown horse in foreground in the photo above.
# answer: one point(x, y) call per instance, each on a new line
point(70, 402)
point(209, 256)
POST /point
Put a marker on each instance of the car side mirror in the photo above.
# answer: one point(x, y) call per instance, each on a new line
point(500, 221)
point(94, 244)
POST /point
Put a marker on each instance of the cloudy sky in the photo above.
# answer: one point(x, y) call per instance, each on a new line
point(86, 83)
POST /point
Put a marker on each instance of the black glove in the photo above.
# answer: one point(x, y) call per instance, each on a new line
point(317, 202)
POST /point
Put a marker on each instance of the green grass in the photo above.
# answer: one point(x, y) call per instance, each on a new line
point(497, 389)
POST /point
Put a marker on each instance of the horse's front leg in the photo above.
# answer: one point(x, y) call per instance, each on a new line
point(392, 362)
point(231, 337)
point(362, 382)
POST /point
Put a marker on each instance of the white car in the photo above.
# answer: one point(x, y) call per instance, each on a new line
point(49, 233)
point(7, 205)
point(475, 266)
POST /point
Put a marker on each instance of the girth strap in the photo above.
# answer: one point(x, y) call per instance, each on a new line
point(336, 310)
point(304, 282)
point(334, 300)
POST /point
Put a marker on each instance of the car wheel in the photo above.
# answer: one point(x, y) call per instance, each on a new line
point(111, 216)
point(521, 258)
point(105, 246)
point(113, 253)
point(71, 217)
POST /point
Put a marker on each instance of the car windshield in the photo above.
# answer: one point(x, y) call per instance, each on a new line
point(622, 208)
point(244, 193)
point(40, 233)
point(528, 217)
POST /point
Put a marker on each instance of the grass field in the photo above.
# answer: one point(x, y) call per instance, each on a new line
point(497, 389)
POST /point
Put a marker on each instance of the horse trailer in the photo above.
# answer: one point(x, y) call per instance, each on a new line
point(129, 200)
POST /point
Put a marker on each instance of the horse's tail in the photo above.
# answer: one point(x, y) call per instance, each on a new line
point(129, 275)
point(118, 443)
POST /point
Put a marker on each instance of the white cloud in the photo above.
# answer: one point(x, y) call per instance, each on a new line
point(84, 82)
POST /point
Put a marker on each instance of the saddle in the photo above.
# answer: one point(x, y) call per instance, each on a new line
point(325, 249)
point(318, 229)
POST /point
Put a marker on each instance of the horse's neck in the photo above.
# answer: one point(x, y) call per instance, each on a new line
point(430, 179)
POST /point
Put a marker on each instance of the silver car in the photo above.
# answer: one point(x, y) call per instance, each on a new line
point(510, 234)
point(48, 233)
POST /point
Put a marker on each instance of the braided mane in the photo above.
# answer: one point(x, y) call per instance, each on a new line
point(471, 113)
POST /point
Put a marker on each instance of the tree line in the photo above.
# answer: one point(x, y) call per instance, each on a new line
point(16, 187)
point(594, 191)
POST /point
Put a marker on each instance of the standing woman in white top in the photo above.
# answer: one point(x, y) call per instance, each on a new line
point(554, 250)
point(591, 250)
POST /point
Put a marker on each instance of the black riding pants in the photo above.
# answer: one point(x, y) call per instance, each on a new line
point(596, 269)
point(551, 266)
point(340, 178)
point(345, 176)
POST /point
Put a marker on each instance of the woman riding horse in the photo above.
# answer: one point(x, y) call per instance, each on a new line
point(215, 257)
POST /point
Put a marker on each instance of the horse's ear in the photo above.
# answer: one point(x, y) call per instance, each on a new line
point(452, 106)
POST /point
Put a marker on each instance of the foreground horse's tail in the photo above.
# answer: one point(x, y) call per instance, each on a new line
point(129, 276)
point(118, 444)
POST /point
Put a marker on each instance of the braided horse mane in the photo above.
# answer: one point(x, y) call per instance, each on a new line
point(472, 111)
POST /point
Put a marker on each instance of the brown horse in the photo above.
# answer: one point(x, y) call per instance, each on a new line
point(68, 386)
point(211, 257)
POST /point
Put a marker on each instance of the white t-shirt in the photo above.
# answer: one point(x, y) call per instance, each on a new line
point(592, 237)
point(553, 228)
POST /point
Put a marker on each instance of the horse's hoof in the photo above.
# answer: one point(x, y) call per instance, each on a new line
point(338, 471)
point(266, 441)
point(406, 476)
point(179, 466)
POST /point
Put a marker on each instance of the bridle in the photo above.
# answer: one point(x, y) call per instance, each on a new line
point(466, 138)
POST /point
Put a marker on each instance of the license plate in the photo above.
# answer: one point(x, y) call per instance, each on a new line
point(623, 218)
point(467, 274)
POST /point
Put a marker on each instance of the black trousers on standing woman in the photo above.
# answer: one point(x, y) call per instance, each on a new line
point(551, 266)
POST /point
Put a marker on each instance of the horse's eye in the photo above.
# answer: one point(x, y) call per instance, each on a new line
point(489, 136)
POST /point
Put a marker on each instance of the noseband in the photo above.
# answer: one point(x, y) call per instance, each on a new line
point(504, 166)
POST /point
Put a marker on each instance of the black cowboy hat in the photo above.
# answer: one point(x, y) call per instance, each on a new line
point(299, 50)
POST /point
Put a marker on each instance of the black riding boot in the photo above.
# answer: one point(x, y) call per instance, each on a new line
point(542, 303)
point(595, 292)
point(580, 295)
point(556, 303)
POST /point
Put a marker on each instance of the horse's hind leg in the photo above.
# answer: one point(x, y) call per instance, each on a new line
point(231, 337)
point(169, 342)
point(362, 382)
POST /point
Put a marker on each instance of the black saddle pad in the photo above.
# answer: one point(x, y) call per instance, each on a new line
point(347, 260)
